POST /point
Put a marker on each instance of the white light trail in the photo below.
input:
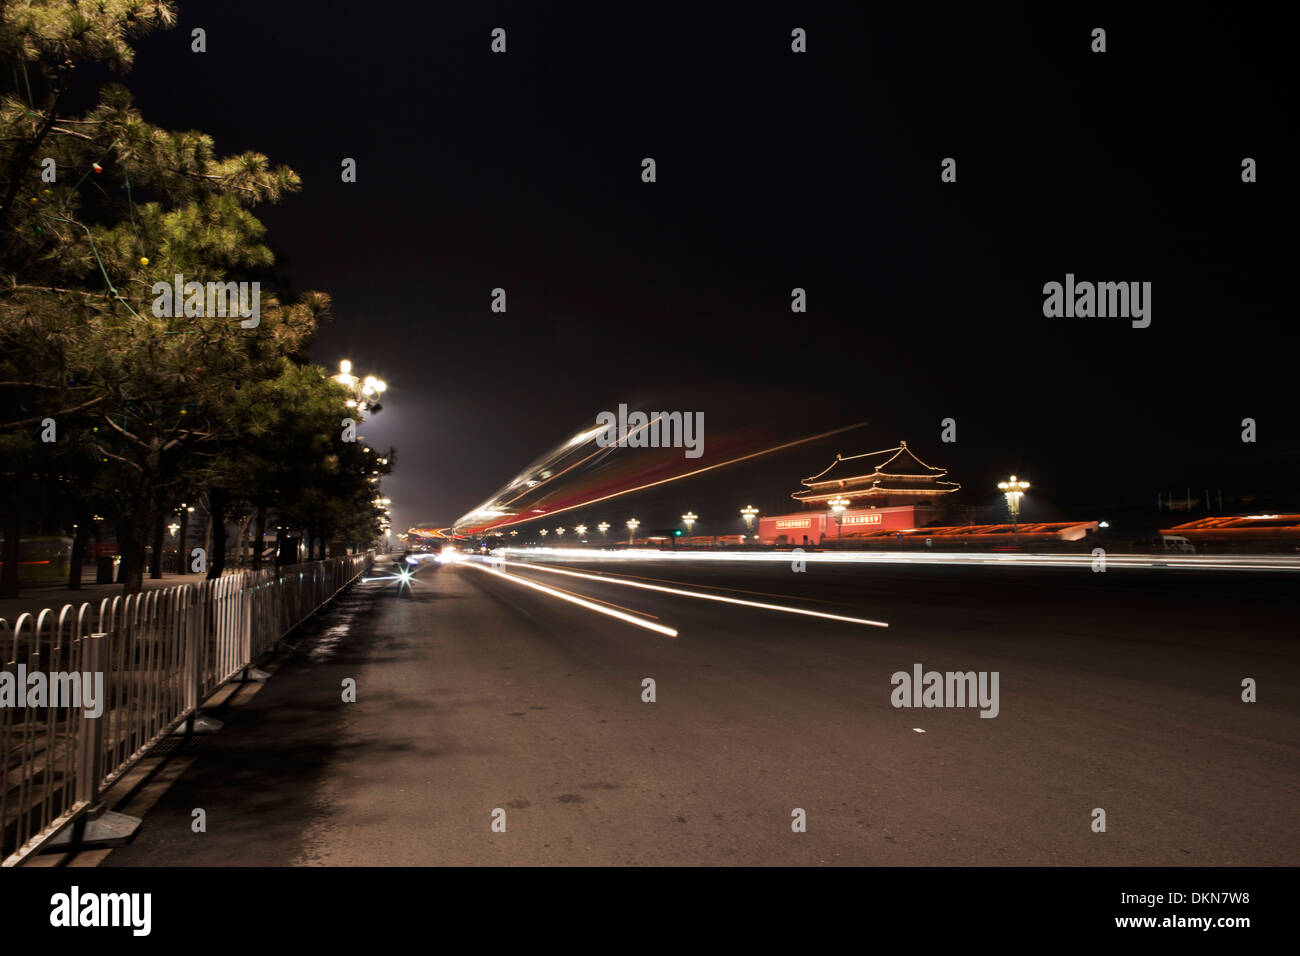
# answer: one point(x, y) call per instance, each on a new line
point(1143, 561)
point(589, 605)
point(699, 594)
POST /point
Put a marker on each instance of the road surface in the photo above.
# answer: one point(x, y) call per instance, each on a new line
point(475, 693)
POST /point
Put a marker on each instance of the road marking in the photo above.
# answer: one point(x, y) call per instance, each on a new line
point(572, 599)
point(609, 579)
point(918, 730)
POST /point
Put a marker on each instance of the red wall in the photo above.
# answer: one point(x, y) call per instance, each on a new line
point(816, 523)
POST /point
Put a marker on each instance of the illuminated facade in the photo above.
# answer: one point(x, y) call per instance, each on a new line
point(888, 477)
point(889, 490)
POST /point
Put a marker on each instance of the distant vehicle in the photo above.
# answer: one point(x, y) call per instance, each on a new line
point(1177, 543)
point(44, 559)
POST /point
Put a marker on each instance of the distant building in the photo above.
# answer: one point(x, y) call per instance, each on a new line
point(877, 478)
point(886, 490)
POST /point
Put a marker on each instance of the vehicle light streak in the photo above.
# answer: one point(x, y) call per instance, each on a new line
point(682, 592)
point(989, 559)
point(651, 484)
point(573, 599)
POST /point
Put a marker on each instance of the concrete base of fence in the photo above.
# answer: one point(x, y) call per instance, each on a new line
point(109, 829)
point(197, 726)
point(252, 674)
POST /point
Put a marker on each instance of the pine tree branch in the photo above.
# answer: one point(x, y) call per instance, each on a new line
point(139, 442)
point(13, 426)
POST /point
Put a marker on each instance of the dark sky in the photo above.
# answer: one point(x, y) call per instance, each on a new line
point(778, 170)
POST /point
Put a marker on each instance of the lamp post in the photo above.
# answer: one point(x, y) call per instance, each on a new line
point(581, 530)
point(603, 527)
point(365, 391)
point(748, 512)
point(838, 505)
point(632, 525)
point(1014, 489)
point(182, 566)
point(559, 532)
point(689, 520)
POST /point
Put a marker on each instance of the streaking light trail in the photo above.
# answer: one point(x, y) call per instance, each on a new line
point(682, 592)
point(1142, 561)
point(487, 516)
point(573, 599)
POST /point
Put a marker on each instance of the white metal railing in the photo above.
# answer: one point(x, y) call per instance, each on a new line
point(162, 653)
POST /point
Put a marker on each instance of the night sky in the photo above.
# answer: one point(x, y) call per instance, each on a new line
point(778, 170)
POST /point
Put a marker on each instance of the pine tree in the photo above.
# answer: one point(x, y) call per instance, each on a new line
point(148, 393)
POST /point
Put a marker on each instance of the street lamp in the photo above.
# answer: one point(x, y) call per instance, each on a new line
point(581, 530)
point(1014, 489)
point(543, 532)
point(689, 519)
point(748, 512)
point(365, 391)
point(632, 525)
point(603, 527)
point(838, 505)
point(559, 532)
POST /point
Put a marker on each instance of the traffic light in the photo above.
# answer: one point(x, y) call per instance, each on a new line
point(677, 532)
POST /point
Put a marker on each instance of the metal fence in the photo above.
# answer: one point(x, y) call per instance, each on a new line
point(161, 653)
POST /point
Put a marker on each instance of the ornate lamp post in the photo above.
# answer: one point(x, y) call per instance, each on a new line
point(365, 391)
point(689, 520)
point(1014, 489)
point(838, 505)
point(632, 525)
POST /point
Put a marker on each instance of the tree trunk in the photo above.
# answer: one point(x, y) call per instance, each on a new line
point(156, 565)
point(132, 533)
point(207, 530)
point(79, 538)
point(136, 523)
point(241, 540)
point(182, 550)
point(13, 546)
point(259, 538)
point(217, 556)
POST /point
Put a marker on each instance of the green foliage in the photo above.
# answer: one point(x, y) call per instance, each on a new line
point(149, 407)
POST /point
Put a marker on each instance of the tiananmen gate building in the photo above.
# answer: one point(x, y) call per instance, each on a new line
point(886, 491)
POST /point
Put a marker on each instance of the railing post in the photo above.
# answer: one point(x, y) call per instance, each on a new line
point(90, 733)
point(193, 658)
point(95, 826)
point(249, 672)
point(194, 723)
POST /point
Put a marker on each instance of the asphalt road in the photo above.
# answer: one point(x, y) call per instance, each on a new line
point(1119, 691)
